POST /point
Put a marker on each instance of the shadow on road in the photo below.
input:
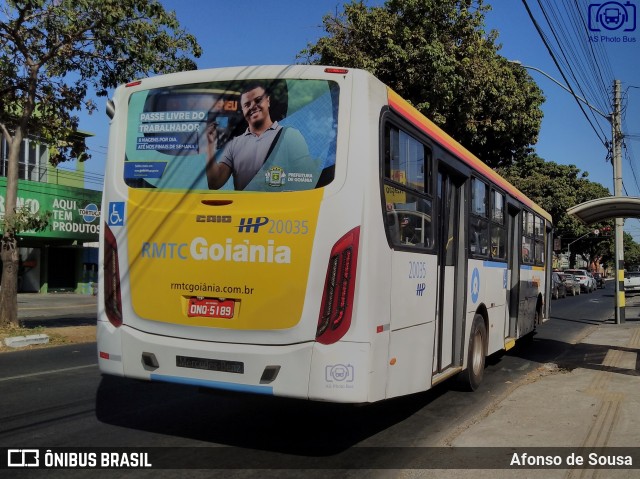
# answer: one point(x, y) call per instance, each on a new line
point(281, 425)
point(571, 356)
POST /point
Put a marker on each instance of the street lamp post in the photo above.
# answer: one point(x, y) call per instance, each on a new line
point(616, 148)
point(564, 87)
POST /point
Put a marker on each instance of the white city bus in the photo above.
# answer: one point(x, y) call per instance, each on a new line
point(372, 258)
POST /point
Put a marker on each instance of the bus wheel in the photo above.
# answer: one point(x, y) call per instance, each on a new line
point(471, 377)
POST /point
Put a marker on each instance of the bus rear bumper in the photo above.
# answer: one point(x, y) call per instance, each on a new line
point(340, 372)
point(308, 370)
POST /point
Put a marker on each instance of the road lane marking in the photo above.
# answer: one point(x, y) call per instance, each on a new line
point(52, 371)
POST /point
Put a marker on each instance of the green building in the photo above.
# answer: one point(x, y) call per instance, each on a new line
point(64, 257)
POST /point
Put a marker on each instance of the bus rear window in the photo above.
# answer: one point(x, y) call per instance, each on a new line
point(251, 135)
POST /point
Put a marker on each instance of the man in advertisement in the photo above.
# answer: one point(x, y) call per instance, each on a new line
point(251, 152)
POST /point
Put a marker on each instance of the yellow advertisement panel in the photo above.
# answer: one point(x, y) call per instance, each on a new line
point(238, 261)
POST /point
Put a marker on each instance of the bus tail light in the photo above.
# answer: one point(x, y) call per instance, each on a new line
point(340, 71)
point(112, 296)
point(337, 300)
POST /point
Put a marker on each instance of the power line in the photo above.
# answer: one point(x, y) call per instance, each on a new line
point(570, 26)
point(585, 78)
point(547, 44)
point(629, 153)
point(597, 54)
point(42, 172)
point(88, 175)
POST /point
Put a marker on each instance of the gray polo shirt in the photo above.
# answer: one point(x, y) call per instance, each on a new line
point(246, 153)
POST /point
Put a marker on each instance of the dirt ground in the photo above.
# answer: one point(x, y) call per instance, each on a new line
point(57, 336)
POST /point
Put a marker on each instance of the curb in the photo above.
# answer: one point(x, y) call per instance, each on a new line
point(22, 341)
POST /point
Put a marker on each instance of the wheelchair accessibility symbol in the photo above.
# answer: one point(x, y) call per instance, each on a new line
point(475, 285)
point(116, 214)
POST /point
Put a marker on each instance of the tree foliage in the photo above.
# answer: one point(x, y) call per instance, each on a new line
point(52, 54)
point(436, 55)
point(631, 253)
point(53, 51)
point(25, 220)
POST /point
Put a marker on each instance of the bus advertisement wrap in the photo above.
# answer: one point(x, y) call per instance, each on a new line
point(173, 133)
point(268, 254)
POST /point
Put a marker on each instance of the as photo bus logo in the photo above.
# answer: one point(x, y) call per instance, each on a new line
point(612, 22)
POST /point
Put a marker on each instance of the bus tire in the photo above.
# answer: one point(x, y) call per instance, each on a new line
point(471, 377)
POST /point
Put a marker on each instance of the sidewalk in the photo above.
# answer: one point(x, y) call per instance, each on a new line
point(57, 309)
point(588, 398)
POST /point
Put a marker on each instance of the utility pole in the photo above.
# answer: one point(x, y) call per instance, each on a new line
point(616, 158)
point(616, 152)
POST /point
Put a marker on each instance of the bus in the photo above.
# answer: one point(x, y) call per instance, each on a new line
point(366, 255)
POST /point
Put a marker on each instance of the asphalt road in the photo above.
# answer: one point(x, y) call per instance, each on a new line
point(55, 397)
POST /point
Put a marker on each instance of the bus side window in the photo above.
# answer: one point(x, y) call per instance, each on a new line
point(498, 231)
point(479, 237)
point(408, 205)
point(498, 243)
point(409, 221)
point(393, 224)
point(479, 220)
point(527, 247)
point(527, 238)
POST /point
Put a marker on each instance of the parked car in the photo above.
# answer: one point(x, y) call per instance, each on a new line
point(631, 281)
point(558, 289)
point(571, 284)
point(599, 277)
point(582, 276)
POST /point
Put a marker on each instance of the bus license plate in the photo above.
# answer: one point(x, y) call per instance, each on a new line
point(210, 308)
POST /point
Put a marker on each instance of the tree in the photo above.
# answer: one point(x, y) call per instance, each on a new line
point(52, 52)
point(631, 253)
point(557, 188)
point(436, 55)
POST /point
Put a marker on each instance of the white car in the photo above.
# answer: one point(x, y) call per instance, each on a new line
point(587, 283)
point(631, 281)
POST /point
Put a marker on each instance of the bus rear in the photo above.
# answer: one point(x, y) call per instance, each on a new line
point(247, 287)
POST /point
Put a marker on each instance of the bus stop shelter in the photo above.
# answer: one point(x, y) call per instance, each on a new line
point(611, 207)
point(607, 208)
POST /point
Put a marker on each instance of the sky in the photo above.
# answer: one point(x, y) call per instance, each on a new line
point(249, 32)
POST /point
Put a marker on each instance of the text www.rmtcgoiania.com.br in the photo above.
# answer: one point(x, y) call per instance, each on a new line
point(205, 288)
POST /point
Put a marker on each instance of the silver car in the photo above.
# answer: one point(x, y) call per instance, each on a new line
point(573, 286)
point(582, 276)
